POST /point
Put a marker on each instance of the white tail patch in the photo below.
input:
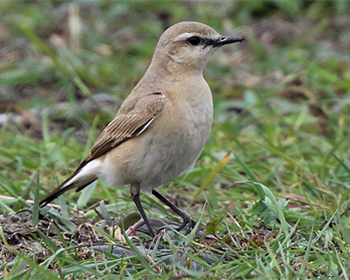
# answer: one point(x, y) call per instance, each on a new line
point(88, 173)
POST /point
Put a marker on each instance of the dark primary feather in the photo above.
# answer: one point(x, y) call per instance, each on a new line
point(128, 123)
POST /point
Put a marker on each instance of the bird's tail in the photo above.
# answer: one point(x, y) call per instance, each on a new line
point(72, 182)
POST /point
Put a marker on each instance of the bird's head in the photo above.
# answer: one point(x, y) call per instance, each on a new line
point(190, 44)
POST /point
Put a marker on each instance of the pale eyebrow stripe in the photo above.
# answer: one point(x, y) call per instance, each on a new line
point(184, 36)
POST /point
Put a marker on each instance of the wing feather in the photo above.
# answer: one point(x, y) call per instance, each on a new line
point(127, 124)
point(131, 120)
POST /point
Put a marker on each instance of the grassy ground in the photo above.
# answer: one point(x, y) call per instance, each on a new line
point(272, 185)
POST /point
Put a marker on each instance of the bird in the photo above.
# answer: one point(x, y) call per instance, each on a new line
point(162, 126)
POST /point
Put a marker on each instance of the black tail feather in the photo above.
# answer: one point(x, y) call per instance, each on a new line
point(62, 189)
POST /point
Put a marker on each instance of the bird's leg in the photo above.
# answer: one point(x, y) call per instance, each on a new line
point(136, 198)
point(186, 218)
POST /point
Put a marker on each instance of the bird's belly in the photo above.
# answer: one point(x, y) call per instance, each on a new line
point(167, 156)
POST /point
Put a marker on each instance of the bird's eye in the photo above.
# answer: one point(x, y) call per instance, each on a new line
point(195, 41)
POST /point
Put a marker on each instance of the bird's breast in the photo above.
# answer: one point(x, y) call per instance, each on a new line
point(174, 141)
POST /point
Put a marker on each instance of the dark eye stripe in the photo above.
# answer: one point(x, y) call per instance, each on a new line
point(209, 42)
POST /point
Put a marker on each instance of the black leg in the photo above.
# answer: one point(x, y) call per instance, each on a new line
point(183, 214)
point(136, 199)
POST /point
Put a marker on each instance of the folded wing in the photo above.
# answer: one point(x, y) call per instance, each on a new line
point(132, 120)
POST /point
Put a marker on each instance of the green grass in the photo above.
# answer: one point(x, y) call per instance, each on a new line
point(272, 183)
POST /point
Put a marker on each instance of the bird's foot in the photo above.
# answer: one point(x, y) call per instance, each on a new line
point(187, 220)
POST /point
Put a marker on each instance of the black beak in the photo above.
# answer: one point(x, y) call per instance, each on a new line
point(224, 40)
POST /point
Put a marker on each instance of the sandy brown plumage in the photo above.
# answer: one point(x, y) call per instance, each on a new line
point(162, 126)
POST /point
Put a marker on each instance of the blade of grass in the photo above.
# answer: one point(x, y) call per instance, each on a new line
point(25, 192)
point(86, 194)
point(35, 218)
point(342, 164)
point(252, 177)
point(211, 176)
point(142, 258)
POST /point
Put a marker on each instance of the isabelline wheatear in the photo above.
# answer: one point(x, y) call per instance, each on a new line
point(162, 126)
